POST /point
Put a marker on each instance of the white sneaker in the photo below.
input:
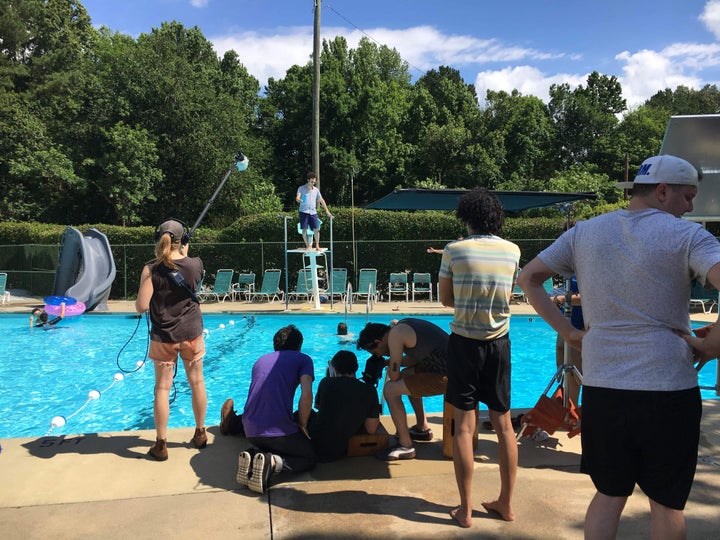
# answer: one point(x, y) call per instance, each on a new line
point(261, 469)
point(395, 453)
point(244, 469)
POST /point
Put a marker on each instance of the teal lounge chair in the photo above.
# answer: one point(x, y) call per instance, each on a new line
point(4, 294)
point(422, 284)
point(303, 286)
point(517, 294)
point(398, 284)
point(245, 285)
point(270, 287)
point(707, 299)
point(339, 283)
point(367, 285)
point(223, 287)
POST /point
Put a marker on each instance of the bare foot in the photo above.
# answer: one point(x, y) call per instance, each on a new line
point(317, 248)
point(498, 509)
point(463, 519)
point(309, 248)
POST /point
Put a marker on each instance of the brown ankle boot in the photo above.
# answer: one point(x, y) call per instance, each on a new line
point(159, 450)
point(200, 438)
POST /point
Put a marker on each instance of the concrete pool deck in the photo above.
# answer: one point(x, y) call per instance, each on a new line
point(101, 485)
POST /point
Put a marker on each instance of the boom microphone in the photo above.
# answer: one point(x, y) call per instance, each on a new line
point(240, 162)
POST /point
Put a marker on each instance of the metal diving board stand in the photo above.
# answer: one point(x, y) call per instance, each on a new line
point(313, 255)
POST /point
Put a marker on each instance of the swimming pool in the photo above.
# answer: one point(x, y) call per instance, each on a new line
point(83, 369)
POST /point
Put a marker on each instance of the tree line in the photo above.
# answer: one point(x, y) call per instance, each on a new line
point(100, 127)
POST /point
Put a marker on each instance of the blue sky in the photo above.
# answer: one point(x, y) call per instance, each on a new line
point(527, 45)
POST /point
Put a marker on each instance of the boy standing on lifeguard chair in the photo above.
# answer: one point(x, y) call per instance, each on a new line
point(308, 196)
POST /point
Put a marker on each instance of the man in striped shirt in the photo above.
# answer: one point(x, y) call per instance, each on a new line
point(476, 278)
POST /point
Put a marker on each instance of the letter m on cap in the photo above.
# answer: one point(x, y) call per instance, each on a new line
point(645, 169)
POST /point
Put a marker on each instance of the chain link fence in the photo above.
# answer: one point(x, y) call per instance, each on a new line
point(31, 267)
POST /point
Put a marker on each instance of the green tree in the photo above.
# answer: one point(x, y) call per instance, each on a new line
point(34, 173)
point(444, 127)
point(639, 135)
point(380, 86)
point(364, 97)
point(286, 120)
point(196, 109)
point(584, 178)
point(43, 45)
point(127, 173)
point(684, 100)
point(525, 129)
point(258, 198)
point(441, 96)
point(583, 117)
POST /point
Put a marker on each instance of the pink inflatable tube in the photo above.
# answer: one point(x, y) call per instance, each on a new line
point(78, 308)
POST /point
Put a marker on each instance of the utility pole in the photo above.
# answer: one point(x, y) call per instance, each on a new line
point(316, 94)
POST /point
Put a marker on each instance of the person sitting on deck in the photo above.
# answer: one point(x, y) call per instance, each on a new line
point(420, 347)
point(345, 406)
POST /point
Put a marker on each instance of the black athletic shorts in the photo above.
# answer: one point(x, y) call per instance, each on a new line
point(648, 438)
point(478, 371)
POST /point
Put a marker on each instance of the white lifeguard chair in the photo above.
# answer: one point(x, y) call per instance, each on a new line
point(310, 262)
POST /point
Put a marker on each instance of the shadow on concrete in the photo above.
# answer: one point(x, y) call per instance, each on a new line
point(91, 443)
point(216, 466)
point(414, 509)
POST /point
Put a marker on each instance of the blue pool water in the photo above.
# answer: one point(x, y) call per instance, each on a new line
point(46, 374)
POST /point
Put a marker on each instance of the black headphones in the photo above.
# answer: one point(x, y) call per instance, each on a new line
point(184, 240)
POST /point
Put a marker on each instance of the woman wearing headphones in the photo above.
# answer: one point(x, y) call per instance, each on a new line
point(167, 288)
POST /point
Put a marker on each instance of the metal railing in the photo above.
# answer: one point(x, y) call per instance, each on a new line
point(348, 299)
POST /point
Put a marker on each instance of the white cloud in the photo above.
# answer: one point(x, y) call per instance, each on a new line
point(711, 17)
point(642, 73)
point(199, 3)
point(422, 47)
point(647, 72)
point(528, 80)
point(425, 48)
point(266, 55)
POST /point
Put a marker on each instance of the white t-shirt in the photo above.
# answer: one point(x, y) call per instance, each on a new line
point(634, 269)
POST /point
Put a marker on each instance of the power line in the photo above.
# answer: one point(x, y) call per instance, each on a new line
point(363, 32)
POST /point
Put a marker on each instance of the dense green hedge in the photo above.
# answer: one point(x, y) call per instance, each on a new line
point(369, 225)
point(388, 241)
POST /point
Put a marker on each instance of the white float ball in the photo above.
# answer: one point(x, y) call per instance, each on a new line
point(231, 322)
point(57, 421)
point(221, 326)
point(139, 363)
point(93, 394)
point(118, 377)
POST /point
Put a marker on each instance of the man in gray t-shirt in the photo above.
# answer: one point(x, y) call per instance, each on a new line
point(634, 268)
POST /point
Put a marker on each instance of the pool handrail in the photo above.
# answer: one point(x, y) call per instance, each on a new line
point(370, 303)
point(348, 298)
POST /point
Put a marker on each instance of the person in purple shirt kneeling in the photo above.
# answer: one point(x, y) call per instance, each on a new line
point(280, 439)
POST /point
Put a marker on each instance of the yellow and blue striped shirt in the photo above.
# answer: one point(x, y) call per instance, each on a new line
point(482, 269)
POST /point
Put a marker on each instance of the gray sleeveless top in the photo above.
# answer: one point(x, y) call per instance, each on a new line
point(430, 351)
